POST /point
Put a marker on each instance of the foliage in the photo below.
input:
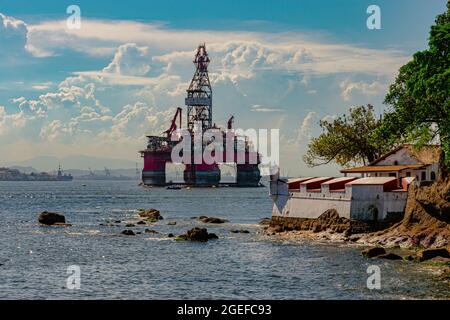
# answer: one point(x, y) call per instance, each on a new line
point(347, 140)
point(418, 100)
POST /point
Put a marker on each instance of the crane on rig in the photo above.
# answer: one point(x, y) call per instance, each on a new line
point(173, 125)
point(230, 123)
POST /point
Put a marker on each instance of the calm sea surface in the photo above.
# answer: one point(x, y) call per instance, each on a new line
point(34, 259)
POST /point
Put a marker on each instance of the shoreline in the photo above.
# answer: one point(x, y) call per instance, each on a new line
point(438, 267)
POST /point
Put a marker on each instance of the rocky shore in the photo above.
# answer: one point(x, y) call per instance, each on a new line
point(423, 235)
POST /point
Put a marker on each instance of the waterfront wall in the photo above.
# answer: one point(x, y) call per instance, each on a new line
point(365, 202)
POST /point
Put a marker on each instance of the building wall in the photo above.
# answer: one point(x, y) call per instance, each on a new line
point(358, 202)
point(402, 157)
point(367, 198)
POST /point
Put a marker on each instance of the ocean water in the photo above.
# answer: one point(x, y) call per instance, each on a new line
point(34, 259)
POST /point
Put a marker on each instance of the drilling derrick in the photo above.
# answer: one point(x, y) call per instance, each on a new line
point(199, 119)
point(199, 94)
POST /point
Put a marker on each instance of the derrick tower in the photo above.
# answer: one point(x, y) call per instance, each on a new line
point(199, 93)
point(199, 117)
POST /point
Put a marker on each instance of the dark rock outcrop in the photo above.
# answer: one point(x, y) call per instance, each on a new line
point(390, 256)
point(151, 214)
point(141, 222)
point(373, 252)
point(151, 231)
point(327, 221)
point(239, 231)
point(197, 234)
point(215, 220)
point(51, 218)
point(428, 254)
point(426, 222)
point(128, 232)
point(265, 221)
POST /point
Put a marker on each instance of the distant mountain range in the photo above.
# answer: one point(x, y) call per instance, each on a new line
point(72, 163)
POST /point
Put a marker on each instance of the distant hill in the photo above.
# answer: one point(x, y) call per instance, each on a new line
point(27, 170)
point(50, 163)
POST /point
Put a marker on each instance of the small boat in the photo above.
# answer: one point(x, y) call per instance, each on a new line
point(173, 187)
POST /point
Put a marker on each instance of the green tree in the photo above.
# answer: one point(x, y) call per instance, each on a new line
point(418, 101)
point(347, 140)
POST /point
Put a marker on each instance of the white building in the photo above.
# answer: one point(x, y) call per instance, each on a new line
point(379, 194)
point(403, 161)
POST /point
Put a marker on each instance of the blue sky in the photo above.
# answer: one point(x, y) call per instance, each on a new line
point(276, 64)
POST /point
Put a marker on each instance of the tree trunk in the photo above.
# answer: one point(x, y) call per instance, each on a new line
point(443, 169)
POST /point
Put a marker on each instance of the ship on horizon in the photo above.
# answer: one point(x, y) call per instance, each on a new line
point(7, 174)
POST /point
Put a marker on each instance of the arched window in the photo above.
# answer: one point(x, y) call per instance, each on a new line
point(433, 175)
point(395, 163)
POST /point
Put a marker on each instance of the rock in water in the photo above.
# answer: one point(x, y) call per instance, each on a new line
point(239, 231)
point(198, 234)
point(373, 252)
point(128, 232)
point(51, 218)
point(212, 220)
point(390, 256)
point(152, 214)
point(428, 254)
point(265, 221)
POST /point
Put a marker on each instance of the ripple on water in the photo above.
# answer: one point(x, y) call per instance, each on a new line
point(236, 266)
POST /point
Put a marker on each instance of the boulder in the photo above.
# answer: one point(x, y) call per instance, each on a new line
point(51, 218)
point(172, 223)
point(276, 229)
point(197, 234)
point(265, 221)
point(151, 231)
point(428, 254)
point(129, 225)
point(128, 232)
point(117, 221)
point(373, 252)
point(390, 256)
point(170, 235)
point(212, 220)
point(141, 222)
point(239, 231)
point(151, 214)
point(212, 236)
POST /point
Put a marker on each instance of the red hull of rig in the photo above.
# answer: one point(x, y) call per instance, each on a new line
point(199, 115)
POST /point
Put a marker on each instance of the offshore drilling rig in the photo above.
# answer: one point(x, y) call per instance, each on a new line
point(199, 118)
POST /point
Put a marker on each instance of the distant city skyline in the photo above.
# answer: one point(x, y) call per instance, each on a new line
point(97, 91)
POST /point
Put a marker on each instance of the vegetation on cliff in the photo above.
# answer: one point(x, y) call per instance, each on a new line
point(347, 140)
point(419, 99)
point(419, 113)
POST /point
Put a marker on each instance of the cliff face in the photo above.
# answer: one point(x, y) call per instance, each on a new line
point(426, 222)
